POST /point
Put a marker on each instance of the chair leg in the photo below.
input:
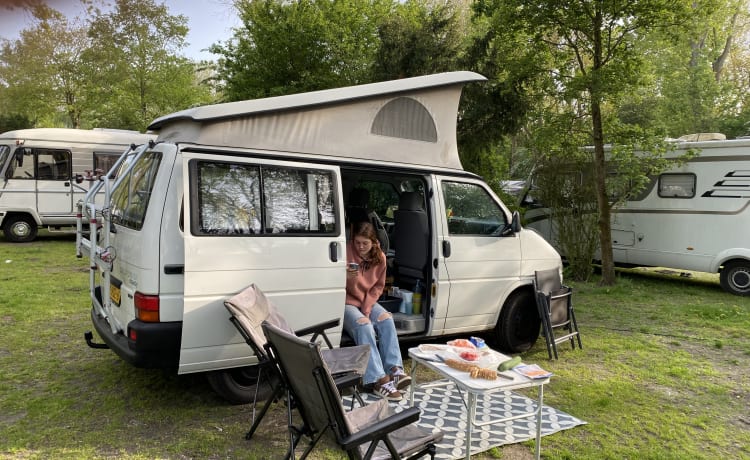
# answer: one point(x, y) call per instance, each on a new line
point(277, 392)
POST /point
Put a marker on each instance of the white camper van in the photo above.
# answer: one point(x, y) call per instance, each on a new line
point(691, 217)
point(259, 191)
point(45, 171)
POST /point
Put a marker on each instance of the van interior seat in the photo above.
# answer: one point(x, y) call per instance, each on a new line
point(411, 237)
point(358, 210)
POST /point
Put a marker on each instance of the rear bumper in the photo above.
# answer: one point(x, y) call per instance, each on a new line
point(157, 344)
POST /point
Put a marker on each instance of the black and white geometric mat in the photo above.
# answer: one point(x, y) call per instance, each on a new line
point(443, 408)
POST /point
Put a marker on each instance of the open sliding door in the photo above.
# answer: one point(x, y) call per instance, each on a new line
point(275, 224)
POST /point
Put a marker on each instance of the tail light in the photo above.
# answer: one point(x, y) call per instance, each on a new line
point(146, 307)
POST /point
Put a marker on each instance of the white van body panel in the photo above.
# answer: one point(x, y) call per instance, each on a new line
point(297, 273)
point(204, 238)
point(51, 202)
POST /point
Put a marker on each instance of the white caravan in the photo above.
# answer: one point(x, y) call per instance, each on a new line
point(42, 171)
point(258, 192)
point(691, 217)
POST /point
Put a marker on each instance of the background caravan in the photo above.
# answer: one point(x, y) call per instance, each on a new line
point(259, 192)
point(690, 217)
point(39, 169)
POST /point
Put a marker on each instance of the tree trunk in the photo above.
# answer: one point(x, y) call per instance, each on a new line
point(600, 167)
point(602, 200)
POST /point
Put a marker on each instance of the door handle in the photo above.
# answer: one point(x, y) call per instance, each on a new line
point(333, 251)
point(446, 248)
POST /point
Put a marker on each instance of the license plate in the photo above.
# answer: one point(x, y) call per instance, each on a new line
point(114, 294)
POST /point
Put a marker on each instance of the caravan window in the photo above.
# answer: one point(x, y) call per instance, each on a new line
point(103, 161)
point(241, 199)
point(677, 185)
point(471, 210)
point(53, 164)
point(22, 166)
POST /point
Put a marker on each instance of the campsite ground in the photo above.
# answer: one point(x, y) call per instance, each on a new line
point(663, 375)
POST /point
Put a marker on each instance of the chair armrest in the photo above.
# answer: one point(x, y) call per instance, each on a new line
point(383, 427)
point(318, 330)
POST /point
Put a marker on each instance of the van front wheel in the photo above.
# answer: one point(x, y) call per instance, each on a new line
point(735, 277)
point(239, 385)
point(19, 228)
point(518, 326)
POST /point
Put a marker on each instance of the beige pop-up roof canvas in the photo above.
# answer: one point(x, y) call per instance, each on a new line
point(409, 121)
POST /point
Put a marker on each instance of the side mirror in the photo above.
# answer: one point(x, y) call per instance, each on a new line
point(515, 222)
point(513, 227)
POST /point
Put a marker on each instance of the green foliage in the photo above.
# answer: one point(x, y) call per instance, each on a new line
point(121, 70)
point(140, 75)
point(418, 39)
point(291, 47)
point(13, 121)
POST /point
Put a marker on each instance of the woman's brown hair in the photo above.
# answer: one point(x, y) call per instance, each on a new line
point(366, 230)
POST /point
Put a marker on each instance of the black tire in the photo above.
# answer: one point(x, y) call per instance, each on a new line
point(19, 228)
point(518, 327)
point(238, 385)
point(735, 277)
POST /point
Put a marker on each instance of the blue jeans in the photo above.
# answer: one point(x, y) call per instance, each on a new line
point(387, 354)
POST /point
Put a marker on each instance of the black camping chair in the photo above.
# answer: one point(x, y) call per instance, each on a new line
point(555, 304)
point(374, 431)
point(250, 308)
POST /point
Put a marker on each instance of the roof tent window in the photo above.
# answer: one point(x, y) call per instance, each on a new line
point(405, 118)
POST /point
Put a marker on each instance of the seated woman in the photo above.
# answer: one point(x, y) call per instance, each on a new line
point(365, 319)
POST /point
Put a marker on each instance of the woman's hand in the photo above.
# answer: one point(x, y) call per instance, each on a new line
point(351, 272)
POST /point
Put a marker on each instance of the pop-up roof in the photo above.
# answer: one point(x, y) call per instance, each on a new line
point(408, 121)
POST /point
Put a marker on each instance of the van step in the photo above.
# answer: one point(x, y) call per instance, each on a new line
point(408, 324)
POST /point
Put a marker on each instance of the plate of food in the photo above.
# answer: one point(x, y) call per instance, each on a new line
point(482, 357)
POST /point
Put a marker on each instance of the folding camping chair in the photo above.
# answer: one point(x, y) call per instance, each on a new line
point(250, 308)
point(374, 431)
point(555, 304)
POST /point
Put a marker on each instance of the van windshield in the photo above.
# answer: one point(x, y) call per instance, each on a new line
point(4, 152)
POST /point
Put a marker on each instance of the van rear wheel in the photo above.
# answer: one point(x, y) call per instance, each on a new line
point(19, 228)
point(239, 385)
point(735, 277)
point(518, 327)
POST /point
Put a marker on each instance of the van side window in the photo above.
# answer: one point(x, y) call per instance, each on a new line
point(22, 164)
point(103, 161)
point(53, 164)
point(131, 195)
point(241, 199)
point(677, 185)
point(471, 210)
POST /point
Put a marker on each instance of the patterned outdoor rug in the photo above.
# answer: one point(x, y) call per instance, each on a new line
point(443, 408)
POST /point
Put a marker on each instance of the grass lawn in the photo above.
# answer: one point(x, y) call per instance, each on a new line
point(663, 375)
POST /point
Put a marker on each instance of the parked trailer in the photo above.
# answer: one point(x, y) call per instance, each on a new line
point(45, 171)
point(694, 216)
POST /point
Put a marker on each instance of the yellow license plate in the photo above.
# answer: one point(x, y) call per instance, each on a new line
point(114, 294)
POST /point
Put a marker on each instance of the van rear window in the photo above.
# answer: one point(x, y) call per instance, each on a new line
point(131, 196)
point(242, 199)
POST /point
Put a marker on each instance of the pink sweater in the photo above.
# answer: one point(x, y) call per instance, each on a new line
point(364, 290)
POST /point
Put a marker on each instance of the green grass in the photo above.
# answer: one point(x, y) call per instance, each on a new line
point(663, 375)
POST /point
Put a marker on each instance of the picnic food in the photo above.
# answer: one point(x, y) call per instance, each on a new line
point(509, 364)
point(469, 355)
point(474, 371)
point(480, 373)
point(461, 343)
